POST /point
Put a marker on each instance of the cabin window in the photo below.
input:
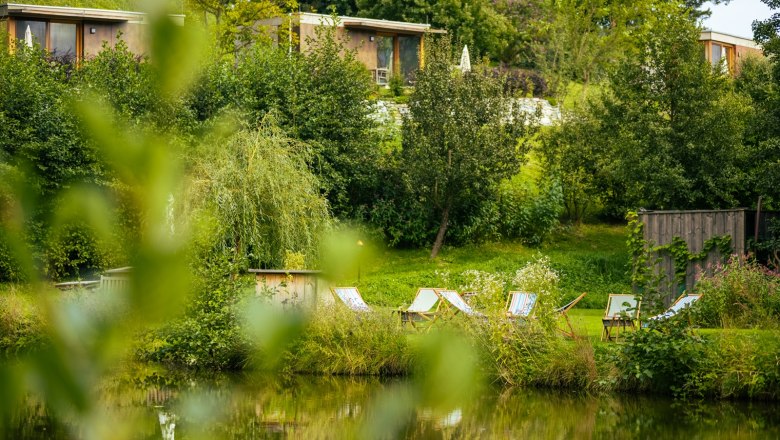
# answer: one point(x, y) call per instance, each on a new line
point(724, 53)
point(37, 31)
point(62, 41)
point(59, 38)
point(409, 48)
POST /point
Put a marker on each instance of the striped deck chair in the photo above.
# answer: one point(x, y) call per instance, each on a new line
point(520, 304)
point(424, 309)
point(454, 299)
point(351, 298)
point(682, 302)
point(564, 311)
point(622, 310)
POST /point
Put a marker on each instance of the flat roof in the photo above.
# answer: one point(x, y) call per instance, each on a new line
point(711, 35)
point(370, 24)
point(22, 10)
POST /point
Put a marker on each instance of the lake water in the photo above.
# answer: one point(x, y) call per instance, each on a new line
point(335, 407)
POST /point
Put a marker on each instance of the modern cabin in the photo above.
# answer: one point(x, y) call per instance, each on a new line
point(728, 49)
point(385, 47)
point(73, 33)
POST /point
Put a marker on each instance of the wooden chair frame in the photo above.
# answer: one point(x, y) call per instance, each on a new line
point(450, 309)
point(564, 311)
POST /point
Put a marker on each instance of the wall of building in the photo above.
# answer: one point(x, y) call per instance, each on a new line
point(366, 49)
point(133, 34)
point(744, 52)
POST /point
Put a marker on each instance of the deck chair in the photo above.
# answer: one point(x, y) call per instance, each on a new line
point(564, 311)
point(351, 298)
point(622, 311)
point(520, 304)
point(424, 309)
point(682, 302)
point(453, 299)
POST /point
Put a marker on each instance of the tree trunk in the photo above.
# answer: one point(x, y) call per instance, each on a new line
point(445, 220)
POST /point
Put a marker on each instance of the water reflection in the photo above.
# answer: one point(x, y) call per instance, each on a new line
point(331, 407)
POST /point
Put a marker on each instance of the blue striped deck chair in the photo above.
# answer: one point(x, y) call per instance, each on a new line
point(681, 303)
point(520, 304)
point(351, 298)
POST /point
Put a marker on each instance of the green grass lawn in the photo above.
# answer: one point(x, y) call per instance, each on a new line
point(587, 323)
point(589, 258)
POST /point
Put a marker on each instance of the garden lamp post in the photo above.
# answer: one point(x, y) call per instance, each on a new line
point(360, 251)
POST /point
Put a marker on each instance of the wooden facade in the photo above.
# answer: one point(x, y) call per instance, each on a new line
point(729, 48)
point(75, 33)
point(290, 288)
point(696, 227)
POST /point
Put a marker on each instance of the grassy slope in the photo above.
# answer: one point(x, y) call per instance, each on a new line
point(591, 258)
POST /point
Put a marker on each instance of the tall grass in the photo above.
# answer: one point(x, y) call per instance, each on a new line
point(739, 294)
point(339, 341)
point(21, 322)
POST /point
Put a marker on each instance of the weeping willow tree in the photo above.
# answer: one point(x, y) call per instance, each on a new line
point(263, 201)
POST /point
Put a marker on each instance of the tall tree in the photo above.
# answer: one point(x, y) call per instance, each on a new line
point(473, 22)
point(764, 87)
point(460, 139)
point(673, 124)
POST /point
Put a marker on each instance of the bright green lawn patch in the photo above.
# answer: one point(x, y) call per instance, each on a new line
point(590, 258)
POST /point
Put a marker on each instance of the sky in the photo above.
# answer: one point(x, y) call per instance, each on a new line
point(736, 17)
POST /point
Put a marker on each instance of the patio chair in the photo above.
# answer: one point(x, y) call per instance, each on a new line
point(520, 304)
point(424, 309)
point(622, 311)
point(564, 311)
point(682, 302)
point(454, 299)
point(351, 298)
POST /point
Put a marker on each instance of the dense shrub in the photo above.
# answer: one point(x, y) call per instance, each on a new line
point(38, 131)
point(528, 210)
point(521, 82)
point(216, 89)
point(661, 357)
point(209, 335)
point(75, 252)
point(127, 82)
point(739, 294)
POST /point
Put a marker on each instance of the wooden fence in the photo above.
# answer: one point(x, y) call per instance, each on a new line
point(695, 227)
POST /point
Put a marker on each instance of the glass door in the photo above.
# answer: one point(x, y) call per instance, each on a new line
point(409, 48)
point(63, 43)
point(384, 58)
